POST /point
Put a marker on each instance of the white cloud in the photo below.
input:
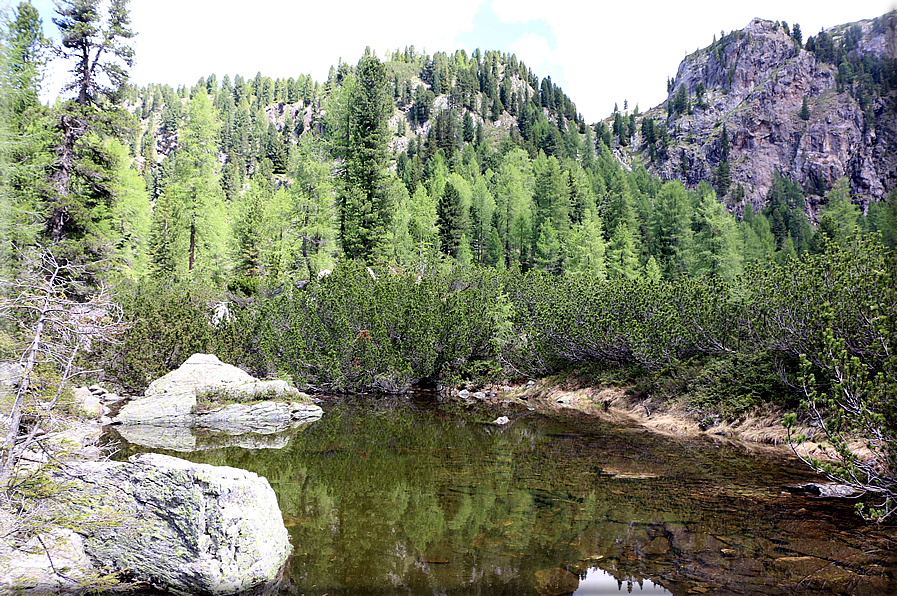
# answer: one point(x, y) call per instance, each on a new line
point(533, 49)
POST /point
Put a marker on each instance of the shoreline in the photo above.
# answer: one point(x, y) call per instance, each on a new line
point(755, 432)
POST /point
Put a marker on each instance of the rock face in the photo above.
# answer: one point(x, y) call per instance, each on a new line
point(172, 400)
point(187, 528)
point(756, 81)
point(26, 569)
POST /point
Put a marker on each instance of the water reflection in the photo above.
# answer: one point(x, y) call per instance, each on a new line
point(387, 498)
point(598, 582)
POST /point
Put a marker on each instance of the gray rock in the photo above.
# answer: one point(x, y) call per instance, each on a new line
point(184, 527)
point(501, 420)
point(161, 409)
point(172, 400)
point(27, 570)
point(464, 394)
point(186, 439)
point(200, 372)
point(756, 84)
point(89, 402)
point(171, 438)
point(479, 395)
point(248, 391)
point(305, 412)
point(827, 491)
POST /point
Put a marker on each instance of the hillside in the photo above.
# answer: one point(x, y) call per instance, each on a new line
point(755, 82)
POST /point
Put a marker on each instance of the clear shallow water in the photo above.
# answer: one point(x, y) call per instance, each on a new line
point(403, 497)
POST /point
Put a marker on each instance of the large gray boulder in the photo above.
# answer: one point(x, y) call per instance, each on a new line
point(172, 399)
point(186, 528)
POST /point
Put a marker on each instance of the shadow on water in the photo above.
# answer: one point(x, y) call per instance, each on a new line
point(401, 496)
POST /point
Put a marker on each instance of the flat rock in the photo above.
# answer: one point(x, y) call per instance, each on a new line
point(826, 491)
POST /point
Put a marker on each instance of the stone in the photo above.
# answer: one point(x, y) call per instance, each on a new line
point(464, 394)
point(161, 409)
point(89, 403)
point(172, 400)
point(254, 390)
point(554, 582)
point(479, 395)
point(826, 491)
point(184, 527)
point(501, 420)
point(658, 546)
point(27, 570)
point(200, 372)
point(305, 412)
point(185, 439)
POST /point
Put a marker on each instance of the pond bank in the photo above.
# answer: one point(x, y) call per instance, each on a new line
point(755, 432)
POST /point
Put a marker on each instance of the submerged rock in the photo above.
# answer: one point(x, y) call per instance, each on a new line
point(554, 582)
point(184, 527)
point(826, 491)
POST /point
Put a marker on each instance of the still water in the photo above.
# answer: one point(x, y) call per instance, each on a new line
point(408, 497)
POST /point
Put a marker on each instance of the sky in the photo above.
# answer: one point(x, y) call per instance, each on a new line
point(600, 53)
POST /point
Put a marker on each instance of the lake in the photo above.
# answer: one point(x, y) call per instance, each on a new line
point(409, 496)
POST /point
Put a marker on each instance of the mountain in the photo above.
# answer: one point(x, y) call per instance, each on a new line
point(814, 112)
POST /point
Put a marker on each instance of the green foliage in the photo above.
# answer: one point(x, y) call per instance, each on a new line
point(852, 402)
point(170, 323)
point(352, 332)
point(365, 210)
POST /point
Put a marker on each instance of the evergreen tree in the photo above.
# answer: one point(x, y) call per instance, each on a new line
point(451, 220)
point(586, 248)
point(364, 208)
point(309, 236)
point(469, 131)
point(100, 50)
point(804, 110)
point(717, 246)
point(622, 260)
point(671, 230)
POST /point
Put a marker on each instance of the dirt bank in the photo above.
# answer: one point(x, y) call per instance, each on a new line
point(754, 432)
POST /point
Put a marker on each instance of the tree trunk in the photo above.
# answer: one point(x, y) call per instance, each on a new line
point(192, 245)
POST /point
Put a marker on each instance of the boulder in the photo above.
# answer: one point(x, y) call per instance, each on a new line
point(184, 527)
point(172, 400)
point(186, 438)
point(201, 372)
point(89, 402)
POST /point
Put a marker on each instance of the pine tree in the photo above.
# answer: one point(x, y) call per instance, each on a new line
point(805, 110)
point(717, 246)
point(100, 50)
point(451, 220)
point(586, 247)
point(671, 230)
point(364, 208)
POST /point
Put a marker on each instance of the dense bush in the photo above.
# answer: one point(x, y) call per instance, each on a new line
point(170, 323)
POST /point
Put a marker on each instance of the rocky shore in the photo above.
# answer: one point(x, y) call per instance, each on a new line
point(158, 520)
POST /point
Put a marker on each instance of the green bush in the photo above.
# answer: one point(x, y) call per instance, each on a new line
point(170, 323)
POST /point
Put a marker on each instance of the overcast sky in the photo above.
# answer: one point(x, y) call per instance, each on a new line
point(600, 52)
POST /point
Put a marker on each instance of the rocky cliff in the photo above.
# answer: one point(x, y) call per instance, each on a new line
point(754, 82)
